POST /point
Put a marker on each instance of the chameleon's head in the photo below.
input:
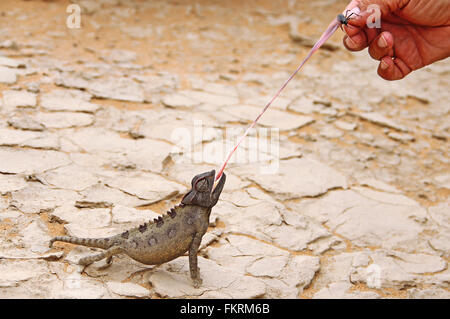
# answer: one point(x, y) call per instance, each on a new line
point(202, 193)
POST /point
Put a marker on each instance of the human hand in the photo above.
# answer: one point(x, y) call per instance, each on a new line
point(413, 34)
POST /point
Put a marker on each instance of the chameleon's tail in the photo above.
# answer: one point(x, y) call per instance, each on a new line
point(103, 243)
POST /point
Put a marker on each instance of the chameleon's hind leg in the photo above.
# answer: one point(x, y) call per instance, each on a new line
point(193, 267)
point(105, 254)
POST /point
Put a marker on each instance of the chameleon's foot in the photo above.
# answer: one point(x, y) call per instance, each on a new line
point(197, 282)
point(86, 261)
point(109, 260)
point(195, 276)
point(108, 263)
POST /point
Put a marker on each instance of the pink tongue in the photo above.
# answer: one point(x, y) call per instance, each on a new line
point(325, 36)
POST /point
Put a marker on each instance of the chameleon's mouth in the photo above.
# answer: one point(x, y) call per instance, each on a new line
point(216, 184)
point(217, 190)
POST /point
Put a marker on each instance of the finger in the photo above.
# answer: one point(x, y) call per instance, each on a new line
point(393, 69)
point(351, 30)
point(359, 36)
point(370, 33)
point(382, 46)
point(356, 42)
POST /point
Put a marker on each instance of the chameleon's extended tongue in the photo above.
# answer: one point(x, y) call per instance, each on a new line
point(325, 36)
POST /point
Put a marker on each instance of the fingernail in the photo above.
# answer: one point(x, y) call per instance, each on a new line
point(383, 65)
point(350, 43)
point(382, 43)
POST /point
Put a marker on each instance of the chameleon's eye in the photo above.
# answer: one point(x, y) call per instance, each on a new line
point(202, 185)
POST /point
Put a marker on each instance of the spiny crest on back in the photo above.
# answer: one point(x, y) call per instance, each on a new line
point(172, 213)
point(143, 228)
point(158, 221)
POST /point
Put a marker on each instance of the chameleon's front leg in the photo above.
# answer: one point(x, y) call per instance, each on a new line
point(193, 250)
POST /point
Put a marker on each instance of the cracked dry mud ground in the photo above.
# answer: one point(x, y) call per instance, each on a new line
point(359, 207)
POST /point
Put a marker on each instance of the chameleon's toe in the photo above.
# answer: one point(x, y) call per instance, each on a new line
point(109, 260)
point(197, 282)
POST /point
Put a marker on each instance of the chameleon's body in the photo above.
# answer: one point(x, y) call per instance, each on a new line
point(167, 237)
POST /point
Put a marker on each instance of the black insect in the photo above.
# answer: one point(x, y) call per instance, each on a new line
point(343, 19)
